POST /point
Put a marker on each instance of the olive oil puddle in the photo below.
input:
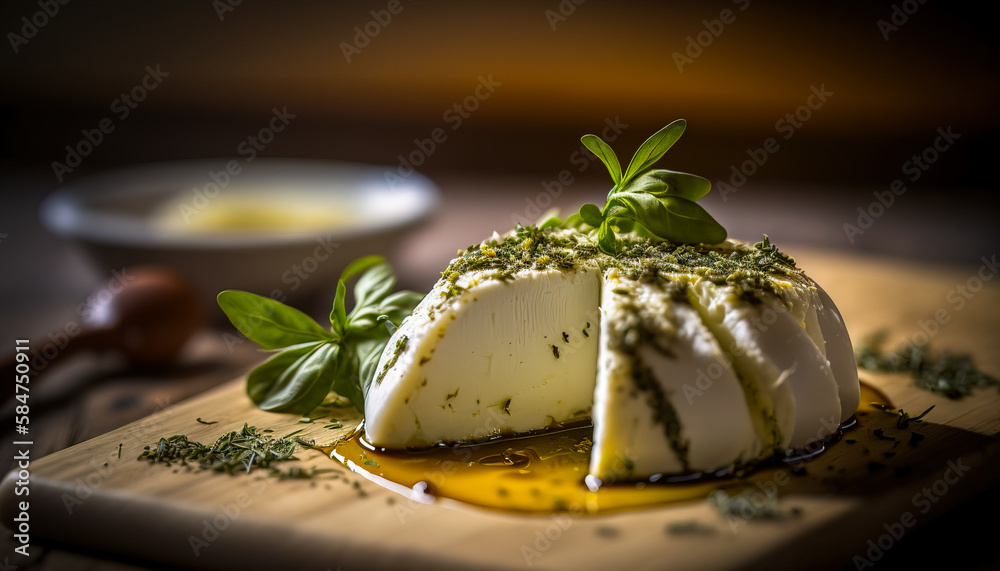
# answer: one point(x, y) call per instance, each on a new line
point(543, 473)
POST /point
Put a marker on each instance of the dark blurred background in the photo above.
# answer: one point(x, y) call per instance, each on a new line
point(562, 70)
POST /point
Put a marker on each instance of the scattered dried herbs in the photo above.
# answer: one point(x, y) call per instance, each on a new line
point(237, 450)
point(950, 374)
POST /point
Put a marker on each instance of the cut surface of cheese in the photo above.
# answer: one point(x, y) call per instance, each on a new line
point(501, 357)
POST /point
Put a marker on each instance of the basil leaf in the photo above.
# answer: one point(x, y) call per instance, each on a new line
point(373, 285)
point(346, 382)
point(295, 380)
point(606, 238)
point(550, 222)
point(623, 225)
point(397, 306)
point(338, 315)
point(604, 152)
point(654, 148)
point(269, 323)
point(661, 182)
point(573, 221)
point(369, 355)
point(692, 223)
point(645, 209)
point(591, 214)
point(669, 217)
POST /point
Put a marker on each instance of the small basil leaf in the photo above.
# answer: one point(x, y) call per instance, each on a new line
point(623, 225)
point(645, 209)
point(261, 380)
point(654, 148)
point(369, 354)
point(296, 380)
point(604, 152)
point(573, 221)
point(397, 306)
point(670, 218)
point(661, 182)
point(550, 222)
point(373, 285)
point(691, 223)
point(338, 315)
point(591, 214)
point(606, 238)
point(346, 382)
point(269, 323)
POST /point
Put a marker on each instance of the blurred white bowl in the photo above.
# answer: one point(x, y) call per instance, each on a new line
point(279, 227)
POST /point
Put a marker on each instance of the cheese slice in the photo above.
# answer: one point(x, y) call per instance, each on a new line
point(789, 383)
point(667, 400)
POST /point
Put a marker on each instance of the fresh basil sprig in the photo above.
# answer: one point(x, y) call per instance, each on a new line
point(658, 203)
point(314, 360)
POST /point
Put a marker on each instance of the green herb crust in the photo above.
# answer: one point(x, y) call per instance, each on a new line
point(397, 350)
point(761, 267)
point(645, 381)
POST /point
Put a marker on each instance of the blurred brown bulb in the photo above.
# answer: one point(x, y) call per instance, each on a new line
point(149, 318)
point(147, 315)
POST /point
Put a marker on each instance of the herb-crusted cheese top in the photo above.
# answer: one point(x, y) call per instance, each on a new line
point(761, 267)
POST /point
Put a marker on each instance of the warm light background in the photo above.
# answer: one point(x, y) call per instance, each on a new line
point(604, 60)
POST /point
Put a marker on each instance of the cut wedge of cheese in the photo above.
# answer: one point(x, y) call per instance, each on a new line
point(686, 358)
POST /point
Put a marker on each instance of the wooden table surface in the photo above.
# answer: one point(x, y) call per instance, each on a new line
point(91, 396)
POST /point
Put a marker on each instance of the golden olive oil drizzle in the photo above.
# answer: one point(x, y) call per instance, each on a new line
point(543, 473)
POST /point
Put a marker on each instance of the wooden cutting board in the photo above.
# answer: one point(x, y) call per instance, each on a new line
point(849, 502)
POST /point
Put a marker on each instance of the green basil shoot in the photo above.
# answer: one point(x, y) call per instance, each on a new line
point(651, 202)
point(314, 360)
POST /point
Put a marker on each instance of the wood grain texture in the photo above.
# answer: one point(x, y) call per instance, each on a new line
point(87, 496)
